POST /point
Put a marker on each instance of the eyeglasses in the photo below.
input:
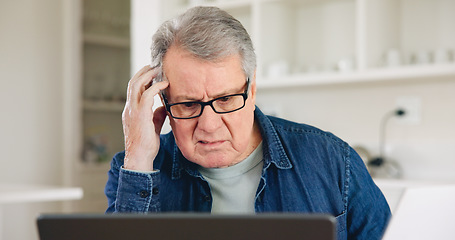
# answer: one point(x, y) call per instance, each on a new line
point(220, 105)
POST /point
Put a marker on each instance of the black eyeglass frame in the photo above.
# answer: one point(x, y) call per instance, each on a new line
point(208, 103)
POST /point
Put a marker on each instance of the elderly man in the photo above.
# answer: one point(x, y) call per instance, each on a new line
point(223, 154)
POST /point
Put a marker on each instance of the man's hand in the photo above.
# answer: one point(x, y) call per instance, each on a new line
point(142, 126)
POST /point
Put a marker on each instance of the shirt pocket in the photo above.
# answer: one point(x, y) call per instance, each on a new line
point(341, 226)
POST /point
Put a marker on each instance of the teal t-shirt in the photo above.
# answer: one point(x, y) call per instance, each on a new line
point(234, 188)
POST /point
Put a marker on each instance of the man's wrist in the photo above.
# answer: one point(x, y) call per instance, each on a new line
point(140, 171)
point(136, 163)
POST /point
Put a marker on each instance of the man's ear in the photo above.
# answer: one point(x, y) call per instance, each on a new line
point(253, 87)
point(161, 94)
point(161, 97)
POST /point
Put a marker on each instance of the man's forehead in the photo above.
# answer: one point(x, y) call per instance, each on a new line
point(187, 91)
point(175, 54)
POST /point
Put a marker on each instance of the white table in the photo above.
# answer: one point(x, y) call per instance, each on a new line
point(30, 193)
point(421, 209)
point(21, 193)
point(393, 189)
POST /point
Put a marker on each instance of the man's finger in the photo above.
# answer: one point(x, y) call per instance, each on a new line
point(137, 86)
point(141, 71)
point(149, 94)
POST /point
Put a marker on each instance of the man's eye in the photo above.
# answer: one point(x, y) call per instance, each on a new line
point(224, 99)
point(189, 105)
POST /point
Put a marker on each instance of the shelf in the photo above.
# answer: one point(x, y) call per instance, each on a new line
point(226, 5)
point(107, 41)
point(103, 105)
point(230, 4)
point(373, 75)
point(397, 26)
point(294, 36)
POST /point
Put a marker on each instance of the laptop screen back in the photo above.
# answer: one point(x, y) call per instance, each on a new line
point(186, 226)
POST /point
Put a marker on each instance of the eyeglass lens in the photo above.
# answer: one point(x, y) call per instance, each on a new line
point(219, 105)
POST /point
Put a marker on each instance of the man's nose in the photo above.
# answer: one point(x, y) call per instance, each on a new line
point(209, 121)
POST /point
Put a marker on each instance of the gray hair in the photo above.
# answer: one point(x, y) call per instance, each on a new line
point(208, 33)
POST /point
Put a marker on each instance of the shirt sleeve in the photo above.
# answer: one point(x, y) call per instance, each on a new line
point(131, 191)
point(368, 212)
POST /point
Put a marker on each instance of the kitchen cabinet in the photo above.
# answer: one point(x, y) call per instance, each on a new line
point(104, 63)
point(106, 71)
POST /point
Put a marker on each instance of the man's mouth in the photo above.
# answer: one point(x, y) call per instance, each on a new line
point(210, 143)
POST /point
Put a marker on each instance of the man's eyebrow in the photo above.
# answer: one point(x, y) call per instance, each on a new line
point(186, 98)
point(226, 92)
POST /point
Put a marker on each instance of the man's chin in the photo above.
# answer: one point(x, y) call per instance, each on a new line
point(213, 160)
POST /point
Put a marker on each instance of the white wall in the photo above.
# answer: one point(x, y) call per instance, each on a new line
point(31, 75)
point(145, 19)
point(31, 98)
point(426, 150)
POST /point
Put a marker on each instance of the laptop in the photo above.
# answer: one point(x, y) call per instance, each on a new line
point(186, 226)
point(425, 212)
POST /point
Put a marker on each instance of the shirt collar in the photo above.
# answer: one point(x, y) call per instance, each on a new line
point(272, 147)
point(273, 150)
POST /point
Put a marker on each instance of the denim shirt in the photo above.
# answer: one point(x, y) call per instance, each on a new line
point(305, 170)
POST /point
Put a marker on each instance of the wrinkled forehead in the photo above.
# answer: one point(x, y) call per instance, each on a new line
point(188, 74)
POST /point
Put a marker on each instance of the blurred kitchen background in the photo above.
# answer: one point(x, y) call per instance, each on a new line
point(341, 65)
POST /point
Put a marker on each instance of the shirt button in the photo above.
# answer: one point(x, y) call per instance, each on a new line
point(144, 194)
point(207, 198)
point(155, 191)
